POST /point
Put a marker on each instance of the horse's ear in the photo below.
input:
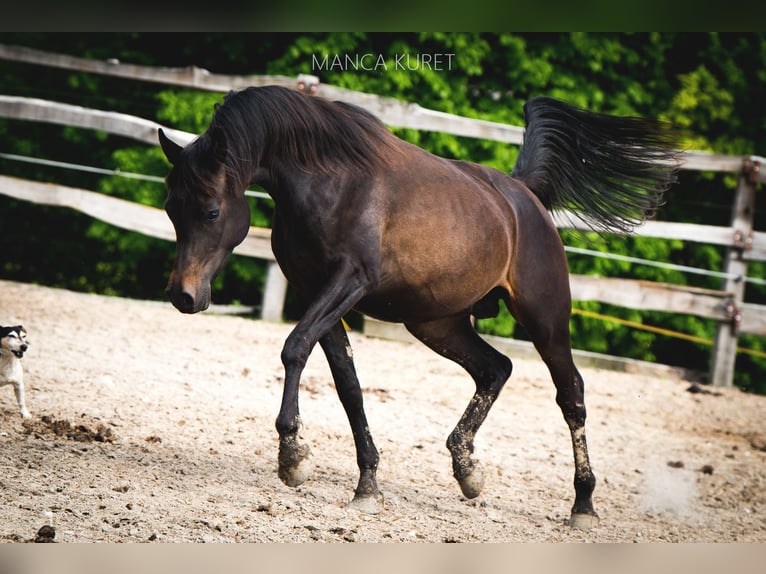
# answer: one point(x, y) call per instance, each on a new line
point(172, 149)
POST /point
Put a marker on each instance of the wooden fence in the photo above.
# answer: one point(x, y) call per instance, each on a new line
point(727, 306)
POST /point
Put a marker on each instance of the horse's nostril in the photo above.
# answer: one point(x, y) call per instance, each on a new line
point(182, 299)
point(187, 301)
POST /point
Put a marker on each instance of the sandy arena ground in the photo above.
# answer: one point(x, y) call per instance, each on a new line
point(149, 425)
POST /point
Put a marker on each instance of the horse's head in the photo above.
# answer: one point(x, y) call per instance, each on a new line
point(209, 213)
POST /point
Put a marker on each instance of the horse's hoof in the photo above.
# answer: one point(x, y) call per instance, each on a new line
point(367, 503)
point(584, 521)
point(473, 483)
point(297, 474)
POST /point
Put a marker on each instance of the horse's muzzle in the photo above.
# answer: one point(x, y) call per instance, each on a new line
point(186, 301)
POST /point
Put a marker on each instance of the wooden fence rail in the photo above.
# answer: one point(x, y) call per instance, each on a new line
point(391, 111)
point(742, 242)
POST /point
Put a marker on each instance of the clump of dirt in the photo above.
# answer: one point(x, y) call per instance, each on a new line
point(81, 432)
point(757, 440)
point(45, 535)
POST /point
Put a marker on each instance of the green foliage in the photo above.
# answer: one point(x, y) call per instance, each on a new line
point(504, 325)
point(186, 110)
point(710, 85)
point(750, 367)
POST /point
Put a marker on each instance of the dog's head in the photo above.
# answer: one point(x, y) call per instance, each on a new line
point(14, 340)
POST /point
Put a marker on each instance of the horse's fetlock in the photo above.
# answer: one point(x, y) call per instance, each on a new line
point(455, 441)
point(461, 450)
point(288, 428)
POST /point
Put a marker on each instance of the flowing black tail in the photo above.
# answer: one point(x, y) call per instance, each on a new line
point(610, 171)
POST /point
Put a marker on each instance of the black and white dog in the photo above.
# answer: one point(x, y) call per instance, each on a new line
point(13, 345)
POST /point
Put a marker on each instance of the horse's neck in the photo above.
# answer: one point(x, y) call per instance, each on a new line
point(298, 191)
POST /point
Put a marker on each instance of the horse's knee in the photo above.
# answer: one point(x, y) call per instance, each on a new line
point(295, 351)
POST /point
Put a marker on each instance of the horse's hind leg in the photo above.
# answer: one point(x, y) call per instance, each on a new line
point(337, 349)
point(546, 319)
point(570, 398)
point(456, 339)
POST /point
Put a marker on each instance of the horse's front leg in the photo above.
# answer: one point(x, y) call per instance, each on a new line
point(334, 301)
point(367, 497)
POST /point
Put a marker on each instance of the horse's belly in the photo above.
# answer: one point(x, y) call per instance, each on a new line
point(430, 276)
point(399, 309)
point(424, 301)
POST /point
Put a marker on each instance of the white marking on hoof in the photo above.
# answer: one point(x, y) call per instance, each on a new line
point(368, 504)
point(584, 521)
point(473, 484)
point(298, 474)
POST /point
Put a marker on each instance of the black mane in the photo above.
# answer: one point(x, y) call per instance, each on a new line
point(274, 126)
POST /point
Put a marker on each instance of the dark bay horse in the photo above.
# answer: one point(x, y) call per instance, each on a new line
point(366, 221)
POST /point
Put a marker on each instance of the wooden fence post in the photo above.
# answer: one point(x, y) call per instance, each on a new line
point(725, 345)
point(274, 292)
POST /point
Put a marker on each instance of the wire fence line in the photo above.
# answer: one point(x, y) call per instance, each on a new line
point(104, 171)
point(664, 265)
point(661, 331)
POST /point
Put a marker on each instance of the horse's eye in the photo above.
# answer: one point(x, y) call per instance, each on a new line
point(213, 214)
